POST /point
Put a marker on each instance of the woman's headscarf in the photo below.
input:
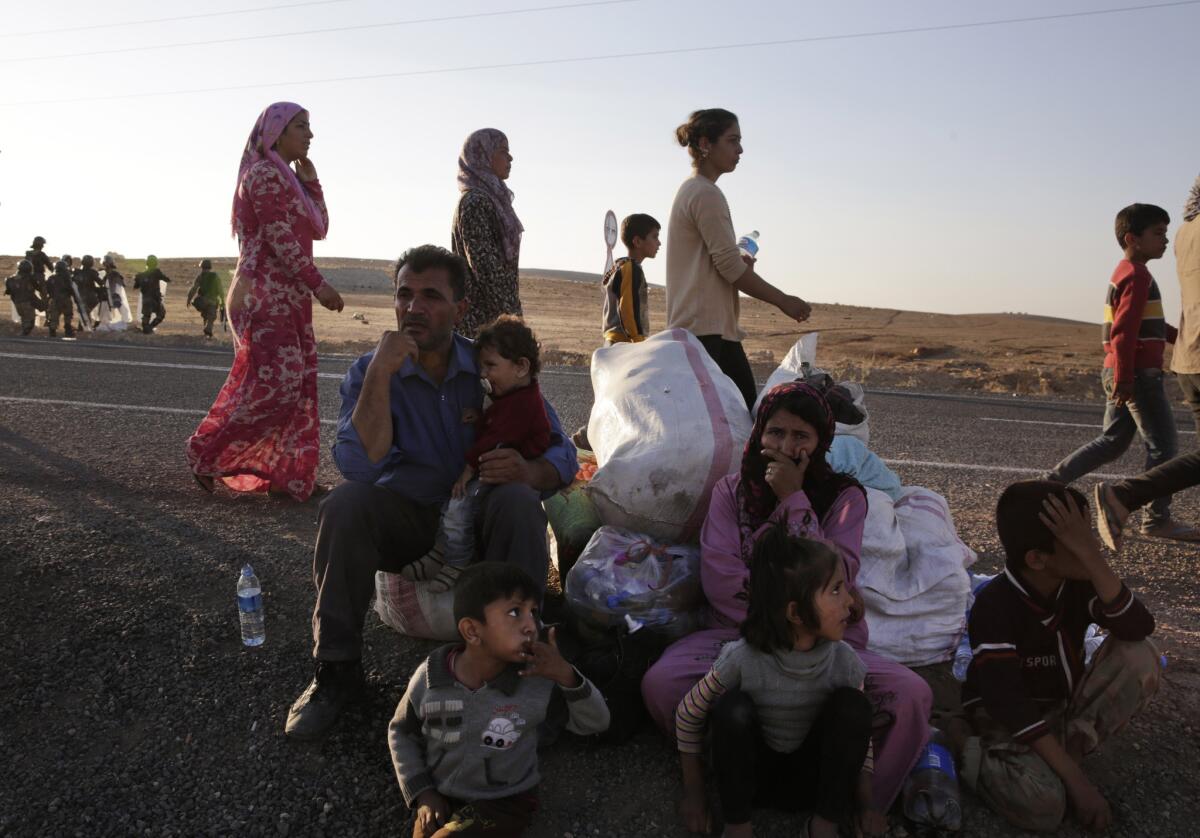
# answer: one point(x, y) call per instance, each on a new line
point(1192, 208)
point(260, 146)
point(756, 499)
point(475, 172)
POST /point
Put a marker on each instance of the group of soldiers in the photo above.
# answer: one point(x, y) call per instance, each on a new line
point(63, 291)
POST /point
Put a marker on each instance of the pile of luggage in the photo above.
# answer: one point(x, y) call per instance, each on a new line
point(665, 426)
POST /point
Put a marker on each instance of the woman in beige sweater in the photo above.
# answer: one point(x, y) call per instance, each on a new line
point(705, 269)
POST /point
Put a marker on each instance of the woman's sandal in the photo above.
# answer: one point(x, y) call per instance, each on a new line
point(205, 482)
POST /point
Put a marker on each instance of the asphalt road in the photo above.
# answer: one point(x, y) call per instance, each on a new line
point(131, 706)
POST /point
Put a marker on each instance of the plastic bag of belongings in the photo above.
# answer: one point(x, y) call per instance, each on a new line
point(407, 601)
point(572, 517)
point(846, 398)
point(913, 576)
point(630, 580)
point(666, 425)
point(912, 572)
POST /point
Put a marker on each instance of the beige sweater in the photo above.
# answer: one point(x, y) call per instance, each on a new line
point(703, 262)
point(1187, 260)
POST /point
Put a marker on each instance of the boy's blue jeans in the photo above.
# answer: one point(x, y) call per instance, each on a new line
point(1148, 414)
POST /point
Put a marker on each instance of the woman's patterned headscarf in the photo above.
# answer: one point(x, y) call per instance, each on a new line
point(475, 172)
point(261, 146)
point(756, 499)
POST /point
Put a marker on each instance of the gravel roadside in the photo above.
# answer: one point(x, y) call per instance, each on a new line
point(133, 708)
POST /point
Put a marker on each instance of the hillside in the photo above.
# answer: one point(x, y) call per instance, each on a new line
point(1014, 353)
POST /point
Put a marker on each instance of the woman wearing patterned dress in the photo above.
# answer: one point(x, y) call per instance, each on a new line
point(262, 432)
point(486, 231)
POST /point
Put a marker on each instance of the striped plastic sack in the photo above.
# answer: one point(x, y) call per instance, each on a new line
point(666, 425)
point(410, 608)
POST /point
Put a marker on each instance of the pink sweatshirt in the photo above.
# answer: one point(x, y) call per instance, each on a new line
point(897, 693)
point(723, 573)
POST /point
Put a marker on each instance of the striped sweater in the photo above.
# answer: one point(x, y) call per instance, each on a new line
point(1135, 332)
point(626, 315)
point(1029, 652)
point(788, 690)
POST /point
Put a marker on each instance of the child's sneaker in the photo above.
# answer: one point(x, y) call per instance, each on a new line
point(1110, 516)
point(425, 568)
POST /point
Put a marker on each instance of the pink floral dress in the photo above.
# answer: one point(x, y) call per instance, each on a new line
point(262, 431)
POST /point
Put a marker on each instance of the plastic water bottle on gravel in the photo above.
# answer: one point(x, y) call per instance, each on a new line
point(250, 608)
point(748, 244)
point(931, 790)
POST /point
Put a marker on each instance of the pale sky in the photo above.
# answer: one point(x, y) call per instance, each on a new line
point(968, 170)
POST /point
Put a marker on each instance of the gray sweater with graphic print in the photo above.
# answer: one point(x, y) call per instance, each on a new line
point(480, 744)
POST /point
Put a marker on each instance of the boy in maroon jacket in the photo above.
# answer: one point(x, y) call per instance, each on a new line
point(1037, 708)
point(1135, 336)
point(516, 418)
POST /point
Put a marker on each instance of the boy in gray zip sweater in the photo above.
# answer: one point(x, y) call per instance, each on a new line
point(464, 737)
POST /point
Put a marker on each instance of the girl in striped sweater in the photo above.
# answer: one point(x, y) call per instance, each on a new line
point(790, 725)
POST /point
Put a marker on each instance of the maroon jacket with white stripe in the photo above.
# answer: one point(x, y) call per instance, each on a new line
point(1028, 652)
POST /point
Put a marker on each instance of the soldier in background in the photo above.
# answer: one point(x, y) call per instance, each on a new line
point(72, 271)
point(25, 297)
point(91, 289)
point(61, 299)
point(42, 264)
point(118, 299)
point(207, 295)
point(147, 282)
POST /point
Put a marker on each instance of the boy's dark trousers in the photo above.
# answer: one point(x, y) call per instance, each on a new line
point(1189, 386)
point(1149, 414)
point(1173, 476)
point(1182, 472)
point(820, 775)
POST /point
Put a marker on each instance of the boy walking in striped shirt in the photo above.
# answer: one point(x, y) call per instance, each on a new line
point(1135, 338)
point(1036, 708)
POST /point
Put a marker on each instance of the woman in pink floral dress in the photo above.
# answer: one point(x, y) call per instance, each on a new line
point(262, 432)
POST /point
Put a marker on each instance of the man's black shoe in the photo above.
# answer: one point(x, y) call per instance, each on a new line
point(335, 684)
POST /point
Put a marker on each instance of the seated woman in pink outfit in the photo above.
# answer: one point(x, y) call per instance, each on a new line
point(784, 475)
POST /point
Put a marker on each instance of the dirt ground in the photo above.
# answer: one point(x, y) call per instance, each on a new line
point(883, 348)
point(133, 708)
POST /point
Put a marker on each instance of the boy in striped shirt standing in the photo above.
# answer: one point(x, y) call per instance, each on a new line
point(1135, 336)
point(1036, 708)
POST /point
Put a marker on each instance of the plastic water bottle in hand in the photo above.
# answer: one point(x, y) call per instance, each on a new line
point(931, 790)
point(748, 244)
point(250, 608)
